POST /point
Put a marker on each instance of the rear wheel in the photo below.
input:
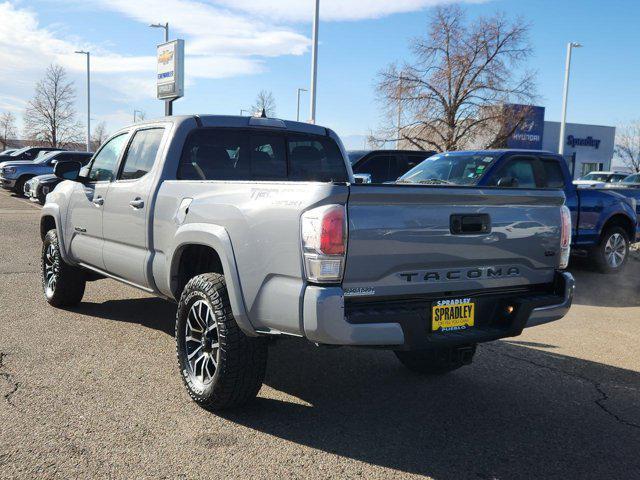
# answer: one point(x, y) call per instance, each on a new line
point(613, 250)
point(437, 361)
point(220, 366)
point(63, 284)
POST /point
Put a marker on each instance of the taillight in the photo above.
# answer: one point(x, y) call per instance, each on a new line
point(565, 237)
point(324, 242)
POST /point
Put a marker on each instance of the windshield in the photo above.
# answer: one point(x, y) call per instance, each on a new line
point(20, 151)
point(45, 157)
point(596, 177)
point(617, 178)
point(630, 179)
point(356, 155)
point(450, 168)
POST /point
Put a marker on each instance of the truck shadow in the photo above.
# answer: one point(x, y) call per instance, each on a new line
point(149, 312)
point(515, 413)
point(599, 290)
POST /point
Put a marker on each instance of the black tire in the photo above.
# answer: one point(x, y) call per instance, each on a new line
point(437, 361)
point(67, 288)
point(239, 362)
point(602, 254)
point(19, 186)
point(42, 198)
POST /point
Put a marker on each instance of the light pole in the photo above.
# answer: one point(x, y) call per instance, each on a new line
point(298, 109)
point(168, 104)
point(245, 110)
point(135, 116)
point(314, 64)
point(88, 54)
point(563, 123)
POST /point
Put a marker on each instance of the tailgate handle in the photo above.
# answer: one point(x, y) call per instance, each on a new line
point(470, 224)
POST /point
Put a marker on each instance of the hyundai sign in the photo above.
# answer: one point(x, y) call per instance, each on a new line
point(170, 79)
point(529, 133)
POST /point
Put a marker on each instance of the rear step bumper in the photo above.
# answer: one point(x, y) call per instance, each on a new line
point(404, 324)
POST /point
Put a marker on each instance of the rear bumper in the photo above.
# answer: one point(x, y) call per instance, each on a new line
point(404, 324)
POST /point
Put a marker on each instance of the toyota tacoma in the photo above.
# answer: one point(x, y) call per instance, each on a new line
point(255, 227)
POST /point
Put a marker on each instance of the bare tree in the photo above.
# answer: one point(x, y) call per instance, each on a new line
point(99, 136)
point(627, 146)
point(7, 128)
point(50, 116)
point(265, 101)
point(454, 93)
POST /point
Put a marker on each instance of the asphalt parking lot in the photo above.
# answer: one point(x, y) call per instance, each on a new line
point(94, 392)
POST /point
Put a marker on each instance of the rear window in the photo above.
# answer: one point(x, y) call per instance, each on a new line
point(225, 154)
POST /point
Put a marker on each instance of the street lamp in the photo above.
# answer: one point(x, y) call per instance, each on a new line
point(314, 64)
point(88, 54)
point(166, 29)
point(298, 110)
point(563, 123)
point(168, 104)
point(245, 110)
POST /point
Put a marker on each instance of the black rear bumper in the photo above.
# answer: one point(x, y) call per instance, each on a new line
point(532, 306)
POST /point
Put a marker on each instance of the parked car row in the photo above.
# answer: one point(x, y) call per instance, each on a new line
point(604, 179)
point(34, 178)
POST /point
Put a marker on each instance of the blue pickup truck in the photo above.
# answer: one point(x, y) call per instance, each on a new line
point(605, 221)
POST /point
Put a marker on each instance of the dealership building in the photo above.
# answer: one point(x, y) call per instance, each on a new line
point(586, 147)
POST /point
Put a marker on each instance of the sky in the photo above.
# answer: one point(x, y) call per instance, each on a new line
point(235, 48)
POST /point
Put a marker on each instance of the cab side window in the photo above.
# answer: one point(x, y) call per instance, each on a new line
point(519, 173)
point(141, 154)
point(553, 174)
point(382, 168)
point(103, 167)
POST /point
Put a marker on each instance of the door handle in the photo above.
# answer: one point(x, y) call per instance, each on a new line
point(137, 203)
point(470, 224)
point(98, 201)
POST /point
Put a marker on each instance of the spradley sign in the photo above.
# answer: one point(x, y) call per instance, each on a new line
point(170, 79)
point(583, 142)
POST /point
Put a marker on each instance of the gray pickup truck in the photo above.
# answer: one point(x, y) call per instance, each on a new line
point(257, 229)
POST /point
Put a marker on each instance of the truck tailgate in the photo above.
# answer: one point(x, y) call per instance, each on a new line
point(402, 242)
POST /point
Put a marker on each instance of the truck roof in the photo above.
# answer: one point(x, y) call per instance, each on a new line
point(237, 121)
point(499, 150)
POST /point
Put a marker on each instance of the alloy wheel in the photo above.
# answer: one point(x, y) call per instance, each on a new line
point(51, 270)
point(202, 342)
point(615, 250)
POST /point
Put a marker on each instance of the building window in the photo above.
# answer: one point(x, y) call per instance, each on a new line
point(591, 167)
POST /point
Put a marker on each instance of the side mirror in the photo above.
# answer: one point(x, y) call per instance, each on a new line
point(362, 177)
point(507, 182)
point(67, 170)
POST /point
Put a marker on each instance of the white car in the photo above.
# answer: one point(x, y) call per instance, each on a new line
point(599, 179)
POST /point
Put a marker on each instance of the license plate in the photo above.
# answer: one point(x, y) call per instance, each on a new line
point(452, 315)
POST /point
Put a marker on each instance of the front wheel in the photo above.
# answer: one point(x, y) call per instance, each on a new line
point(613, 250)
point(220, 366)
point(437, 361)
point(63, 284)
point(19, 186)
